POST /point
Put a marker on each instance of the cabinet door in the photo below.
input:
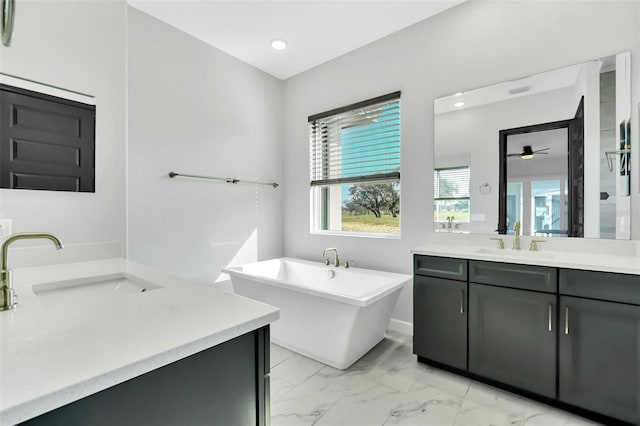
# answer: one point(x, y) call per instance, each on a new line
point(600, 357)
point(512, 337)
point(440, 320)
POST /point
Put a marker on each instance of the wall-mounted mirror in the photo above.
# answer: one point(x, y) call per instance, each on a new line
point(550, 151)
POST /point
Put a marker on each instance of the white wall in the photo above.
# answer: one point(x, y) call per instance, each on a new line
point(472, 45)
point(77, 45)
point(196, 110)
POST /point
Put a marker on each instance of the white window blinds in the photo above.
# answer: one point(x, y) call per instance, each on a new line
point(357, 143)
point(451, 183)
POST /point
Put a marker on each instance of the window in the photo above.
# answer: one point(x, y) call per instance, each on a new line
point(451, 199)
point(540, 205)
point(355, 168)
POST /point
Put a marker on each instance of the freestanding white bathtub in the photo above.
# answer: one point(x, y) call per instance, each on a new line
point(333, 315)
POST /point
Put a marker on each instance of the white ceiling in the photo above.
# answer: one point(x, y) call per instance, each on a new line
point(316, 31)
point(532, 85)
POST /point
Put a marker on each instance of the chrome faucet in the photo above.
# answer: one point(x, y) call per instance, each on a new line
point(450, 219)
point(500, 242)
point(516, 237)
point(336, 261)
point(7, 294)
point(534, 244)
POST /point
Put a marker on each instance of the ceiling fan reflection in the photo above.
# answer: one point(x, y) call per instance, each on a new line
point(527, 152)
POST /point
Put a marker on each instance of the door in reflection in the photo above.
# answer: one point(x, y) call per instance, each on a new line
point(541, 206)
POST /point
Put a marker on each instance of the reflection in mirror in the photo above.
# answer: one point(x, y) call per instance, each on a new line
point(451, 197)
point(537, 176)
point(545, 145)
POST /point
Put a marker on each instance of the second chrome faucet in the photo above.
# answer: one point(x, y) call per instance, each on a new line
point(516, 240)
point(336, 260)
point(516, 236)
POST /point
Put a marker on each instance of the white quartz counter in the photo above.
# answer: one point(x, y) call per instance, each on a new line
point(56, 350)
point(605, 256)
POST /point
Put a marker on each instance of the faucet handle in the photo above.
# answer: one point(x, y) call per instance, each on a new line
point(500, 242)
point(348, 263)
point(534, 244)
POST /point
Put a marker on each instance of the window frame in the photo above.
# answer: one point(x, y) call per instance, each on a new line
point(467, 198)
point(320, 188)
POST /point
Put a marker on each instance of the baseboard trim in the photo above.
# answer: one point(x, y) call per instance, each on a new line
point(400, 326)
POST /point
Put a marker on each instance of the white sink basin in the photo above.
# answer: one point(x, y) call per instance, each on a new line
point(516, 253)
point(94, 287)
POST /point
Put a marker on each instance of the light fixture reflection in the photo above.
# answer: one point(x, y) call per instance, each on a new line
point(527, 153)
point(278, 44)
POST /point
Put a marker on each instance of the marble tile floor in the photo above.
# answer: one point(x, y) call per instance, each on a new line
point(389, 387)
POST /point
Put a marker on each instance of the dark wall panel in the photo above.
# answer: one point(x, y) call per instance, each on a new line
point(45, 182)
point(46, 142)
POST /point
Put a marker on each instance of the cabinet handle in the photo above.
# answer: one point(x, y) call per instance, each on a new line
point(462, 301)
point(8, 18)
point(550, 315)
point(566, 320)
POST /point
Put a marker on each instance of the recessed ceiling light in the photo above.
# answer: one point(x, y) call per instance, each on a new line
point(459, 94)
point(278, 44)
point(458, 104)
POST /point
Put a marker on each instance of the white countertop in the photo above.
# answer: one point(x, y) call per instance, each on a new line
point(54, 353)
point(558, 254)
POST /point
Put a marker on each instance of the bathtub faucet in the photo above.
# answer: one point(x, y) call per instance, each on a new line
point(336, 261)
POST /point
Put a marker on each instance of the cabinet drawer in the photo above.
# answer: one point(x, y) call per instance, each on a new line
point(440, 267)
point(601, 285)
point(527, 277)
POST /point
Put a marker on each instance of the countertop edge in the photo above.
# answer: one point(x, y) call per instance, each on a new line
point(46, 403)
point(555, 263)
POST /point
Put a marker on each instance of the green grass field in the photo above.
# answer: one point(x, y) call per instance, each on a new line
point(369, 223)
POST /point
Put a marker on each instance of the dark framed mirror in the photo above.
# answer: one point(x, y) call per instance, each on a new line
point(541, 184)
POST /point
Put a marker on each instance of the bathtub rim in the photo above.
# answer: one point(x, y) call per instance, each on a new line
point(397, 281)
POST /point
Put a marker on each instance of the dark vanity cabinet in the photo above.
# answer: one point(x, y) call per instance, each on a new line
point(440, 310)
point(227, 384)
point(599, 356)
point(569, 337)
point(512, 325)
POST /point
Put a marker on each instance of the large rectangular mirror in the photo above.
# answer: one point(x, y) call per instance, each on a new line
point(549, 152)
